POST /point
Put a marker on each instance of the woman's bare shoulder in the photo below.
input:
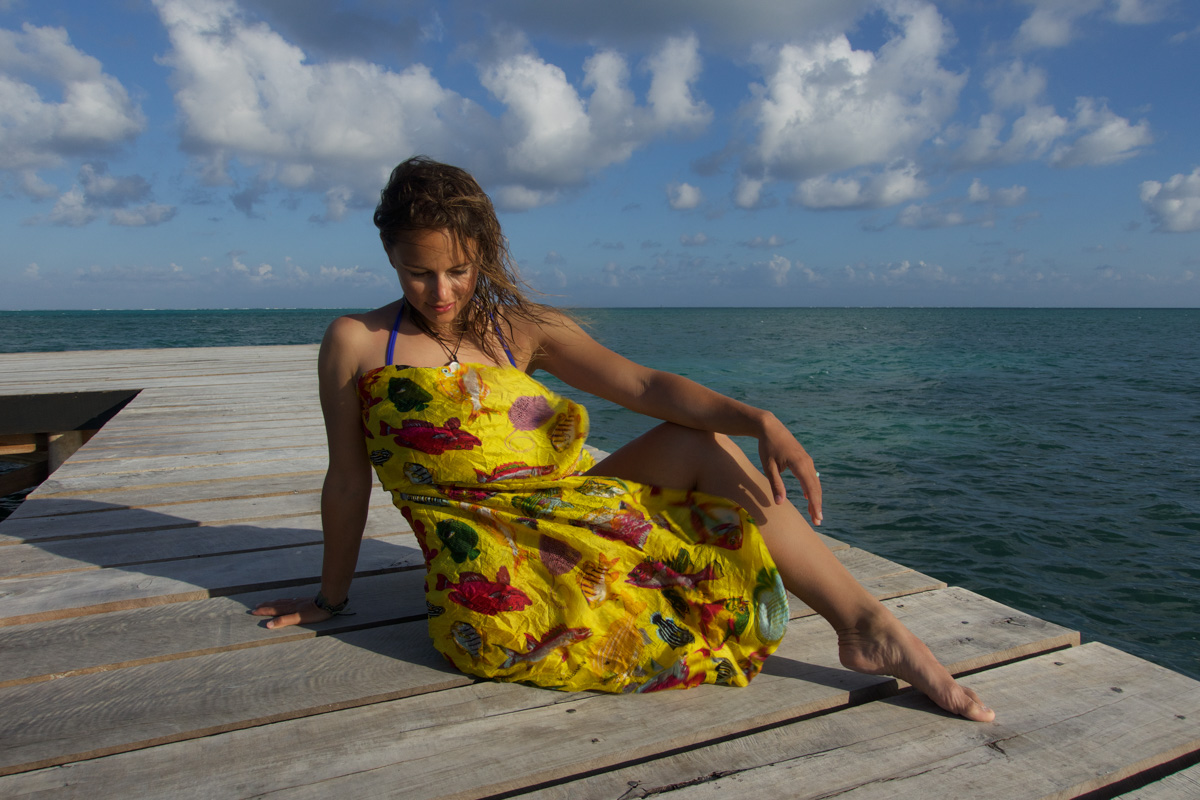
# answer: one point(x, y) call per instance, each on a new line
point(354, 340)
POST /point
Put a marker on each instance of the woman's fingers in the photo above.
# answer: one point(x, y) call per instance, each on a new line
point(775, 478)
point(273, 608)
point(284, 620)
point(290, 611)
point(812, 490)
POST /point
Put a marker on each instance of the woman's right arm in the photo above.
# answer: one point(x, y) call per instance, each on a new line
point(347, 487)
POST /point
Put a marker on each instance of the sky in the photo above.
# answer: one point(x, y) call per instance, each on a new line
point(229, 153)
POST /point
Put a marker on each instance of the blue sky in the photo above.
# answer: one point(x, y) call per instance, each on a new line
point(228, 153)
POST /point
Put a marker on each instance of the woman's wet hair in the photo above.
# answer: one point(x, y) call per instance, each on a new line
point(426, 195)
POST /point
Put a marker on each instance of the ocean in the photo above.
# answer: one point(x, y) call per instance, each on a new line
point(1045, 458)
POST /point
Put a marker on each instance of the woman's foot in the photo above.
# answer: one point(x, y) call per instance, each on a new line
point(883, 646)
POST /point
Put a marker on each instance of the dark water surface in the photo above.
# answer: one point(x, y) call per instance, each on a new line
point(1045, 458)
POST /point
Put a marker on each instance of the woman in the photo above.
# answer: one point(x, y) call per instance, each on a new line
point(662, 566)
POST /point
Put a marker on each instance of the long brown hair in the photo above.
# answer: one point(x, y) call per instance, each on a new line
point(423, 194)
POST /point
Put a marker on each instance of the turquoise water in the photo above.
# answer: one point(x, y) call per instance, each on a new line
point(1045, 458)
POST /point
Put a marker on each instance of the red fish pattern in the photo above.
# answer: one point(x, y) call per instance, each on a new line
point(417, 434)
point(475, 592)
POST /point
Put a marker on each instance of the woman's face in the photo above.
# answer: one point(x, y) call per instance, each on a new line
point(437, 277)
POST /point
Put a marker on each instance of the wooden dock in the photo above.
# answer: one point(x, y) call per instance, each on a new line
point(130, 668)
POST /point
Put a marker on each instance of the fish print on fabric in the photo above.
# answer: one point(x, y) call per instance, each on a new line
point(484, 596)
point(560, 637)
point(771, 598)
point(670, 631)
point(460, 539)
point(512, 471)
point(467, 637)
point(536, 572)
point(418, 434)
point(541, 504)
point(529, 413)
point(558, 556)
point(407, 396)
point(463, 384)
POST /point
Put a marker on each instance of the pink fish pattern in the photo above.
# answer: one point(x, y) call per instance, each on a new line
point(540, 573)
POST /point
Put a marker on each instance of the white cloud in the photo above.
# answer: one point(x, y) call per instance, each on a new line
point(699, 240)
point(977, 192)
point(1011, 196)
point(1015, 85)
point(902, 273)
point(244, 92)
point(826, 108)
point(674, 68)
point(1139, 12)
point(683, 196)
point(1054, 23)
point(34, 186)
point(1175, 205)
point(135, 274)
point(94, 114)
point(927, 217)
point(1095, 136)
point(555, 137)
point(1107, 138)
point(111, 191)
point(758, 241)
point(148, 214)
point(888, 187)
point(777, 270)
point(522, 198)
point(247, 94)
point(1183, 36)
point(72, 209)
point(748, 192)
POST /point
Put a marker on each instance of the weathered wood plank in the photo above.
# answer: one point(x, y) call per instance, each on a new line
point(418, 746)
point(152, 467)
point(43, 504)
point(128, 550)
point(1070, 723)
point(102, 642)
point(37, 651)
point(88, 715)
point(72, 594)
point(169, 477)
point(1184, 785)
point(155, 446)
point(108, 521)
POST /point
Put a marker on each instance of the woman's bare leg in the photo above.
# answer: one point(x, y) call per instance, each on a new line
point(870, 638)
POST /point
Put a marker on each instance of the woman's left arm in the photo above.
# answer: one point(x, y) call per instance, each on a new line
point(570, 354)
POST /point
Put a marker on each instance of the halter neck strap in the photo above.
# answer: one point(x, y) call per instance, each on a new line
point(391, 347)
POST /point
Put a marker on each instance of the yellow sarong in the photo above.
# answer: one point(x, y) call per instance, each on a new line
point(540, 574)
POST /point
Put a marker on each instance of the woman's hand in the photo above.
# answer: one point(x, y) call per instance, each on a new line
point(779, 451)
point(291, 611)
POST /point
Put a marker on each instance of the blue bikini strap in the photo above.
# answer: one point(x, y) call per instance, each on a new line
point(503, 343)
point(395, 329)
point(400, 316)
